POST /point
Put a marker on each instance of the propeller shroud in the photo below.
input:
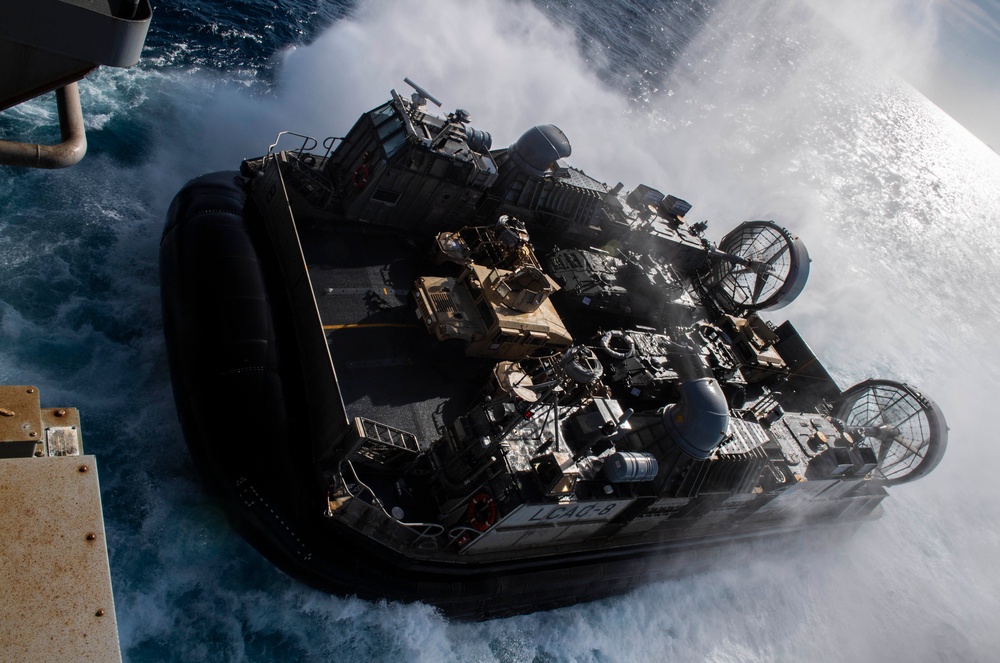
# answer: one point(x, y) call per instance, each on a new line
point(758, 265)
point(905, 429)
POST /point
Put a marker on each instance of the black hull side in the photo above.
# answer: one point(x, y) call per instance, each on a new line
point(227, 340)
point(222, 346)
point(238, 385)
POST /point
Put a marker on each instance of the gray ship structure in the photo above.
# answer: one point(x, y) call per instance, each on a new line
point(418, 368)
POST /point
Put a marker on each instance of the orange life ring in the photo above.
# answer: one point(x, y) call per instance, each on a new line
point(482, 512)
point(360, 177)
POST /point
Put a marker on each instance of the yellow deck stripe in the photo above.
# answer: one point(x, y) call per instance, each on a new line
point(359, 325)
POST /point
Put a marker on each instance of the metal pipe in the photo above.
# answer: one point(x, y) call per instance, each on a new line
point(65, 154)
point(697, 423)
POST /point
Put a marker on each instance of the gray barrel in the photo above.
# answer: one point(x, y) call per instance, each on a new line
point(630, 467)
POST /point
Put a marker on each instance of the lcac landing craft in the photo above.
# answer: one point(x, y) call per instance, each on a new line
point(421, 369)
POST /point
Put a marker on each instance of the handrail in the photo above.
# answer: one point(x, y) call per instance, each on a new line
point(65, 154)
point(305, 147)
point(328, 143)
point(308, 143)
point(431, 530)
point(455, 532)
point(361, 483)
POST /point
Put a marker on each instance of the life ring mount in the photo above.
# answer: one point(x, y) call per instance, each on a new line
point(482, 511)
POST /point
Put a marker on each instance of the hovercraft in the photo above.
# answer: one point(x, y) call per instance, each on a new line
point(417, 368)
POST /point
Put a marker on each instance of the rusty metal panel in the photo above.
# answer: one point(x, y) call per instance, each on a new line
point(55, 585)
point(20, 421)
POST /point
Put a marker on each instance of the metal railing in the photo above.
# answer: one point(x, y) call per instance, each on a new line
point(308, 144)
point(430, 530)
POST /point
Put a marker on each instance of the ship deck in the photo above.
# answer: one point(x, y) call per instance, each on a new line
point(389, 367)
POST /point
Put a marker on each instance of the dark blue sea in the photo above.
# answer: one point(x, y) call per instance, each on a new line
point(782, 109)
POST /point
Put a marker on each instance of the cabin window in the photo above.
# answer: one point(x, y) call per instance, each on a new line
point(380, 115)
point(485, 311)
point(393, 144)
point(507, 336)
point(390, 127)
point(386, 196)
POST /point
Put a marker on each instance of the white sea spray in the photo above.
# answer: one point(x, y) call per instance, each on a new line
point(770, 112)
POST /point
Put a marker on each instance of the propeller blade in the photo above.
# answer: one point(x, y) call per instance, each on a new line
point(758, 288)
point(773, 259)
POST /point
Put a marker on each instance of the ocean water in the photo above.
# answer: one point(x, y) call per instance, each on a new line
point(766, 109)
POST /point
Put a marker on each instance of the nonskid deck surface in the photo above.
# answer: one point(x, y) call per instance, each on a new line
point(389, 368)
